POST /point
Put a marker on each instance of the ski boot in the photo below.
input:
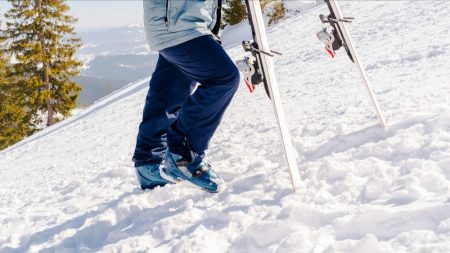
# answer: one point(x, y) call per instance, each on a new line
point(149, 176)
point(197, 173)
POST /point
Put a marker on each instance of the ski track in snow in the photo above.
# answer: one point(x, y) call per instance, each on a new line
point(71, 188)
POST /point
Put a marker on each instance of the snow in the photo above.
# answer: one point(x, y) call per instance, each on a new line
point(300, 6)
point(71, 187)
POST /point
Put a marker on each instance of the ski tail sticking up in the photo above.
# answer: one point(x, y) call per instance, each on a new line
point(258, 68)
point(337, 36)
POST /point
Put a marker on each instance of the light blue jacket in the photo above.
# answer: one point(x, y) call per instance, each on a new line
point(171, 22)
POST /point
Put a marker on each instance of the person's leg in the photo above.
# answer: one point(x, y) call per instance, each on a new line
point(169, 90)
point(205, 61)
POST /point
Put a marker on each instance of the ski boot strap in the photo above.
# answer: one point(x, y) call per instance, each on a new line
point(201, 170)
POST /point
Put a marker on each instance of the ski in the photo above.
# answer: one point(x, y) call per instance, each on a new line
point(337, 36)
point(258, 68)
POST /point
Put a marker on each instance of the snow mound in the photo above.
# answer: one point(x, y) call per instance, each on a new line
point(71, 188)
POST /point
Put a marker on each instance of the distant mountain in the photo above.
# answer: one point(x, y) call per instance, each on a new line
point(120, 40)
point(113, 57)
point(95, 88)
point(123, 67)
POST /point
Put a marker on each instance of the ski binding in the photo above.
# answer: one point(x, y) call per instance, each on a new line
point(332, 36)
point(250, 65)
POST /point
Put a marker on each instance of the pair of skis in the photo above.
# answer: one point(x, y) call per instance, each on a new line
point(258, 68)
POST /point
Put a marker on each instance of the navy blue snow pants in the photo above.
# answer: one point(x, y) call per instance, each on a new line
point(172, 115)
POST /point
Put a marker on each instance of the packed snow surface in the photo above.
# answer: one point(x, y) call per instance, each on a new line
point(71, 188)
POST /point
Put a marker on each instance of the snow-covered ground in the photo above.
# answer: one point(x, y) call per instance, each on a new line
point(71, 188)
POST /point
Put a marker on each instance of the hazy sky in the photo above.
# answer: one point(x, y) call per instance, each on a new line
point(106, 13)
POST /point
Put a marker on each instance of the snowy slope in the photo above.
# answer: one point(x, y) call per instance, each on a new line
point(71, 188)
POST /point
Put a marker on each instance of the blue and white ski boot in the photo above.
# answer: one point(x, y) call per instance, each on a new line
point(197, 173)
point(149, 176)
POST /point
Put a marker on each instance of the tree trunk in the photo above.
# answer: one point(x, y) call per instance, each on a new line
point(50, 113)
point(50, 107)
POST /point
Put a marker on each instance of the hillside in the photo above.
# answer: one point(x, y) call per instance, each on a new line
point(71, 187)
point(113, 58)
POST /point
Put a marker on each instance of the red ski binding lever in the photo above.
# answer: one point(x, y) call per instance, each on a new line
point(331, 52)
point(250, 86)
point(327, 38)
point(249, 68)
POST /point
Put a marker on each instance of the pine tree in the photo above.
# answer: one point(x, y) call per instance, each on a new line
point(277, 13)
point(13, 117)
point(43, 43)
point(235, 13)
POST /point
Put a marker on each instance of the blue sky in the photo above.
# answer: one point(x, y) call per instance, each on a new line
point(96, 14)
